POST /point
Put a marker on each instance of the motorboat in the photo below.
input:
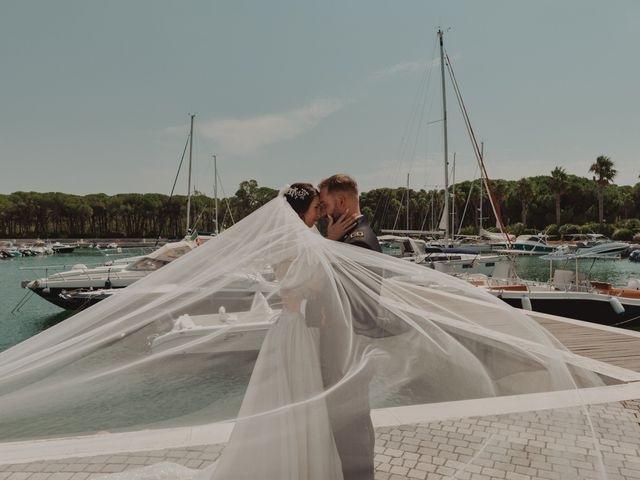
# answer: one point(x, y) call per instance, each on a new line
point(418, 251)
point(602, 251)
point(220, 332)
point(533, 244)
point(586, 244)
point(35, 249)
point(55, 287)
point(609, 249)
point(571, 296)
point(9, 250)
point(58, 247)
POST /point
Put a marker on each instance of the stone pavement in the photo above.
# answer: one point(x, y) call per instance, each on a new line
point(548, 444)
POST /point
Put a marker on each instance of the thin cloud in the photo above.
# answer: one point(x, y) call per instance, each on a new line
point(407, 67)
point(245, 136)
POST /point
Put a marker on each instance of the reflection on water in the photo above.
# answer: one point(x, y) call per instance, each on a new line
point(51, 320)
point(193, 389)
point(617, 272)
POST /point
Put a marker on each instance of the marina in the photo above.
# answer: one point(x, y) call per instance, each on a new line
point(423, 261)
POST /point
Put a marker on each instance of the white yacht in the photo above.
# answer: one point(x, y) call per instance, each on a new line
point(447, 261)
point(56, 288)
point(220, 332)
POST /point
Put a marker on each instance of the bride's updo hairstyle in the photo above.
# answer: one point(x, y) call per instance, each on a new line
point(300, 196)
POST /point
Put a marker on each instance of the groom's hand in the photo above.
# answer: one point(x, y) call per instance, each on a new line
point(336, 229)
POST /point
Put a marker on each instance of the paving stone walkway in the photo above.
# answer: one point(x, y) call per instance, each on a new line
point(545, 445)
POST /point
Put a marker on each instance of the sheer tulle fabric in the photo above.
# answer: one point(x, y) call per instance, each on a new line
point(290, 336)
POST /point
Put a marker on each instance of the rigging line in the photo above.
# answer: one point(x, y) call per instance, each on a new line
point(417, 136)
point(175, 181)
point(419, 105)
point(424, 93)
point(421, 94)
point(180, 166)
point(407, 133)
point(468, 199)
point(226, 200)
point(474, 143)
point(395, 222)
point(404, 143)
point(426, 133)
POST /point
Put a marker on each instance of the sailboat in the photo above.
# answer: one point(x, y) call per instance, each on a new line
point(443, 256)
point(82, 287)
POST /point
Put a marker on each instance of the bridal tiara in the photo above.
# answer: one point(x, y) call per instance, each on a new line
point(297, 193)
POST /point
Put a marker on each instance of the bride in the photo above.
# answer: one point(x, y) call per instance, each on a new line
point(284, 428)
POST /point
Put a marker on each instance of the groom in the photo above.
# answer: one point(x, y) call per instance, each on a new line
point(349, 410)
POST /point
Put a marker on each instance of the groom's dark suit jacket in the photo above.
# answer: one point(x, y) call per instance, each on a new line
point(362, 235)
point(348, 407)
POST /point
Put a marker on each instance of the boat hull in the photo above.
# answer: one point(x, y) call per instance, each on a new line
point(587, 308)
point(54, 296)
point(63, 249)
point(539, 249)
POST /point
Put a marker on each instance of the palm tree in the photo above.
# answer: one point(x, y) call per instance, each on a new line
point(525, 193)
point(559, 184)
point(604, 174)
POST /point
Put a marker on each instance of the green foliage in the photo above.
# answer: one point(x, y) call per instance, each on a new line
point(516, 228)
point(533, 199)
point(569, 229)
point(468, 231)
point(622, 234)
point(632, 224)
point(552, 230)
point(603, 228)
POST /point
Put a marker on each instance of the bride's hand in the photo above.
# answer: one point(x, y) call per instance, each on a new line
point(337, 228)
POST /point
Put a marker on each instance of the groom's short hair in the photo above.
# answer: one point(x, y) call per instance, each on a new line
point(340, 183)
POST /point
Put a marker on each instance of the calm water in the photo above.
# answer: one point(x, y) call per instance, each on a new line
point(37, 314)
point(617, 272)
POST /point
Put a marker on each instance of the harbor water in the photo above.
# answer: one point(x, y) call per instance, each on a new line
point(36, 314)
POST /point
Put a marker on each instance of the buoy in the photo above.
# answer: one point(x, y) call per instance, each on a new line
point(616, 305)
point(526, 303)
point(634, 284)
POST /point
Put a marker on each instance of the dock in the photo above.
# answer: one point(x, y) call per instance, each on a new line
point(451, 440)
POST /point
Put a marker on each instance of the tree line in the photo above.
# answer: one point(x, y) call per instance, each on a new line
point(558, 203)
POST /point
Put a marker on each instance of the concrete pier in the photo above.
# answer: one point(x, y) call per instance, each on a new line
point(507, 438)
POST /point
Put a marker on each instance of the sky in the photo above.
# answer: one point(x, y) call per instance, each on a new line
point(95, 96)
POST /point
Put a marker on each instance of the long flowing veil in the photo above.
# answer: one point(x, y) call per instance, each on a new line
point(262, 345)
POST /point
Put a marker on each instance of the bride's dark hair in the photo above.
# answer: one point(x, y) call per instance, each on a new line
point(300, 196)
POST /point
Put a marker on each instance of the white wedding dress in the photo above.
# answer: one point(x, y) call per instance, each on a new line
point(285, 431)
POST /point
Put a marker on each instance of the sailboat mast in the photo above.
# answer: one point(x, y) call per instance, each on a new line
point(408, 201)
point(215, 189)
point(453, 199)
point(189, 181)
point(446, 145)
point(481, 182)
